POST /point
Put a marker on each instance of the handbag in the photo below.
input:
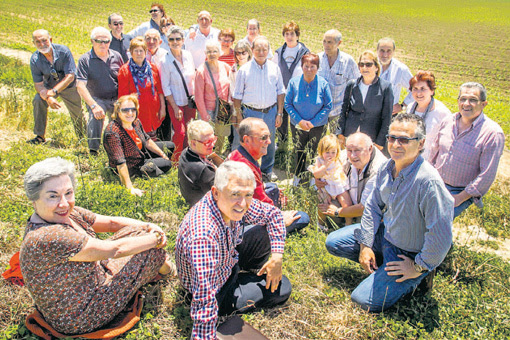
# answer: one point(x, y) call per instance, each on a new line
point(222, 108)
point(191, 99)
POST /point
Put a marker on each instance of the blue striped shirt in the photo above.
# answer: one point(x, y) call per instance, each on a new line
point(416, 209)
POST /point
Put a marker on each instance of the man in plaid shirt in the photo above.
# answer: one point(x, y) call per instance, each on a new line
point(227, 221)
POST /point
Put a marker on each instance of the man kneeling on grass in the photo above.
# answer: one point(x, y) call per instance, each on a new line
point(407, 222)
point(225, 224)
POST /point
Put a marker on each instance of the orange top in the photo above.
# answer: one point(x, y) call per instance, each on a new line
point(134, 136)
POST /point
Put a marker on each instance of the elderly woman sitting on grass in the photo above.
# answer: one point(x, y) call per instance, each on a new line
point(80, 283)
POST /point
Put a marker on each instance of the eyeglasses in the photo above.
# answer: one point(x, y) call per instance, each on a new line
point(208, 142)
point(472, 101)
point(402, 140)
point(128, 109)
point(99, 41)
point(54, 74)
point(262, 138)
point(241, 52)
point(165, 26)
point(360, 64)
point(212, 51)
point(227, 41)
point(118, 23)
point(154, 11)
point(174, 39)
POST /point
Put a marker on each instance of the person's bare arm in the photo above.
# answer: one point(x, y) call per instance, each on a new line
point(62, 85)
point(177, 111)
point(126, 180)
point(152, 146)
point(280, 101)
point(98, 111)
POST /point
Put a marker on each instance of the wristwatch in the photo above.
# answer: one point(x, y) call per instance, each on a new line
point(336, 212)
point(55, 91)
point(419, 269)
point(93, 106)
point(279, 114)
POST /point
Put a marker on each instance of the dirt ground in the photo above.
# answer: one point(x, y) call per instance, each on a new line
point(462, 235)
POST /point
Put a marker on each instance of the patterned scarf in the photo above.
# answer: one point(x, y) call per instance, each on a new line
point(140, 74)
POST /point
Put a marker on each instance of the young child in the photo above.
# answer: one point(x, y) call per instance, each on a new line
point(329, 167)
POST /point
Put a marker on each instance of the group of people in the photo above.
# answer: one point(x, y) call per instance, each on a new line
point(390, 182)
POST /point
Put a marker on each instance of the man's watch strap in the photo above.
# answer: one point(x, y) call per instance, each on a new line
point(419, 269)
point(93, 106)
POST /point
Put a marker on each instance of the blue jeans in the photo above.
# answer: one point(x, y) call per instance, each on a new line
point(378, 291)
point(95, 126)
point(273, 192)
point(270, 119)
point(464, 205)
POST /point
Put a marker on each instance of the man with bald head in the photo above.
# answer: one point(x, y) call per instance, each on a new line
point(337, 68)
point(195, 41)
point(363, 162)
point(394, 72)
point(54, 74)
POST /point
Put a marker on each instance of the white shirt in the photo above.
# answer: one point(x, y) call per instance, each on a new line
point(364, 89)
point(434, 117)
point(197, 46)
point(398, 75)
point(171, 81)
point(158, 58)
point(259, 86)
point(289, 55)
point(343, 70)
point(269, 54)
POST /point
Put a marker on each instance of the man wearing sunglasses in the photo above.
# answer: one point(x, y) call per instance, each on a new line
point(97, 83)
point(54, 73)
point(467, 148)
point(116, 25)
point(255, 139)
point(406, 227)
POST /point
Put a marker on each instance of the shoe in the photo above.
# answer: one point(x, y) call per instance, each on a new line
point(36, 140)
point(148, 167)
point(426, 284)
point(296, 181)
point(269, 177)
point(93, 152)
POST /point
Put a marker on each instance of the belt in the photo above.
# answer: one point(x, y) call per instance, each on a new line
point(266, 110)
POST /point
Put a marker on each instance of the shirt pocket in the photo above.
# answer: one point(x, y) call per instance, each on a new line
point(465, 153)
point(339, 79)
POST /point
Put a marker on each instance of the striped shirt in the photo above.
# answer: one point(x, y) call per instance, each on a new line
point(343, 70)
point(416, 209)
point(171, 81)
point(205, 251)
point(470, 159)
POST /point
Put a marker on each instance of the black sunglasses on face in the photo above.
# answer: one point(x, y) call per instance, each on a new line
point(174, 39)
point(365, 64)
point(154, 10)
point(119, 23)
point(401, 139)
point(128, 109)
point(99, 41)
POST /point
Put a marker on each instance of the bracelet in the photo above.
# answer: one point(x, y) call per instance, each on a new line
point(279, 114)
point(160, 237)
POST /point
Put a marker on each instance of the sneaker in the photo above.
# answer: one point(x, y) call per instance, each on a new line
point(269, 177)
point(36, 140)
point(93, 152)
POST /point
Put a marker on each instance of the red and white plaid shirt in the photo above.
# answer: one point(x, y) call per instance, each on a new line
point(205, 254)
point(469, 159)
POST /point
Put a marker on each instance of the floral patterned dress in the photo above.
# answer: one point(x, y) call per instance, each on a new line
point(80, 297)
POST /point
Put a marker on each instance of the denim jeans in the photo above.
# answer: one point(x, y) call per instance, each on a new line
point(464, 205)
point(270, 119)
point(273, 192)
point(95, 126)
point(378, 291)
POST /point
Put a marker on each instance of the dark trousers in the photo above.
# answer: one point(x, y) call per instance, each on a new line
point(304, 140)
point(161, 165)
point(245, 291)
point(283, 130)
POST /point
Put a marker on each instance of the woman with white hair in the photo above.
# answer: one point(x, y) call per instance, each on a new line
point(79, 282)
point(212, 92)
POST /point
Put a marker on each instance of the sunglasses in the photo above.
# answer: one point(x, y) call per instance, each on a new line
point(99, 41)
point(263, 137)
point(128, 109)
point(401, 139)
point(365, 64)
point(54, 74)
point(241, 52)
point(154, 11)
point(208, 142)
point(227, 41)
point(174, 39)
point(167, 25)
point(118, 23)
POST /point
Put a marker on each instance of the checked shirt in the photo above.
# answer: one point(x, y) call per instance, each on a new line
point(205, 254)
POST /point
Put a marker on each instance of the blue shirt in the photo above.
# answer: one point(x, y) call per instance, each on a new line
point(311, 102)
point(417, 211)
point(51, 75)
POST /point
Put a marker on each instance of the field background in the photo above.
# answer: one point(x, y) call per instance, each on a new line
point(459, 41)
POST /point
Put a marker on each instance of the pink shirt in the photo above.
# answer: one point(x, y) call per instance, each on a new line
point(469, 159)
point(204, 90)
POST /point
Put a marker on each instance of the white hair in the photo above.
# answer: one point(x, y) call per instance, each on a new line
point(229, 169)
point(42, 171)
point(100, 31)
point(213, 43)
point(152, 31)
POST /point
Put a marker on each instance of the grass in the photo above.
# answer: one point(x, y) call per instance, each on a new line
point(458, 41)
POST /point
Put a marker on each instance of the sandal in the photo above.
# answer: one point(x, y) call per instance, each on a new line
point(36, 140)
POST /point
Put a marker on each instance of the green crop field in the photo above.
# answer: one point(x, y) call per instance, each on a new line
point(459, 41)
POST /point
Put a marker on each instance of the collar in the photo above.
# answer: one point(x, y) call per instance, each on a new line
point(247, 155)
point(55, 56)
point(260, 67)
point(121, 36)
point(479, 120)
point(94, 55)
point(360, 79)
point(407, 170)
point(215, 210)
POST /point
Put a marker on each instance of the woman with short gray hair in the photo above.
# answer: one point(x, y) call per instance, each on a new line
point(79, 282)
